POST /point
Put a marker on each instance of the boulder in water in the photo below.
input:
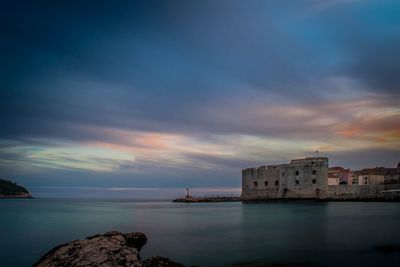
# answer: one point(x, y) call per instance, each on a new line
point(111, 249)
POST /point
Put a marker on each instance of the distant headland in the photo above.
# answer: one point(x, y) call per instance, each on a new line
point(9, 189)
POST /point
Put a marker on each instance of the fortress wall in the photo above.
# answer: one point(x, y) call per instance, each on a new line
point(335, 192)
point(261, 194)
point(246, 180)
point(307, 178)
point(343, 191)
point(348, 192)
point(302, 178)
point(260, 180)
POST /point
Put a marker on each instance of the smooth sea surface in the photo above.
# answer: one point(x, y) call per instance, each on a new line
point(210, 234)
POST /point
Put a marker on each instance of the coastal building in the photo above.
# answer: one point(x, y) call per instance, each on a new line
point(345, 176)
point(333, 181)
point(371, 179)
point(391, 175)
point(311, 178)
point(301, 178)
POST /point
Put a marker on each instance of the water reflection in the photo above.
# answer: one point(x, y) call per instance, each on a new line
point(210, 234)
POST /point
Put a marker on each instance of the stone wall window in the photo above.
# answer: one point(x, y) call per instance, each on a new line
point(314, 181)
point(255, 184)
point(266, 183)
point(297, 173)
point(297, 181)
point(314, 172)
point(276, 183)
point(283, 174)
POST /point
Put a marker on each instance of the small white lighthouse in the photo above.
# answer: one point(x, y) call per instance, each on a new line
point(187, 193)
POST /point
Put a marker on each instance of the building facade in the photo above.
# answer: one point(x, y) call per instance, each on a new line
point(390, 175)
point(344, 176)
point(301, 178)
point(333, 181)
point(371, 179)
point(310, 178)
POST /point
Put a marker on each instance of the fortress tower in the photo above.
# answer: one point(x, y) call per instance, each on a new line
point(301, 178)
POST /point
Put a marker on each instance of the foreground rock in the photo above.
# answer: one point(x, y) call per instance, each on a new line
point(9, 189)
point(111, 249)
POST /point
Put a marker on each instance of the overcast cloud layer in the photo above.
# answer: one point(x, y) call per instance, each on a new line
point(187, 93)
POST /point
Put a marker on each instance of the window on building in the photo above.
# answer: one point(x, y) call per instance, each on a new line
point(297, 181)
point(314, 172)
point(266, 183)
point(255, 184)
point(297, 173)
point(314, 181)
point(365, 178)
point(283, 174)
point(365, 182)
point(276, 182)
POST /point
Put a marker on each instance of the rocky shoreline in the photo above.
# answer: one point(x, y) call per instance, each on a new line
point(22, 195)
point(112, 249)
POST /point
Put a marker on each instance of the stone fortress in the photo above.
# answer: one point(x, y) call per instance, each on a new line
point(311, 178)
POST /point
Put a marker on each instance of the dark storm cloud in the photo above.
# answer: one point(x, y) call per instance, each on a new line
point(148, 63)
point(74, 72)
point(160, 62)
point(365, 37)
point(377, 65)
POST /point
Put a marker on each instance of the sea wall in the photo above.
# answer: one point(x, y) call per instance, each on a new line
point(260, 194)
point(335, 192)
point(363, 192)
point(355, 191)
point(263, 194)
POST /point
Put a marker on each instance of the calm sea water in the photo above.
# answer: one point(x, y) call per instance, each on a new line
point(210, 234)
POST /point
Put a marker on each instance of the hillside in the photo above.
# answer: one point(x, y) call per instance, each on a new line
point(9, 189)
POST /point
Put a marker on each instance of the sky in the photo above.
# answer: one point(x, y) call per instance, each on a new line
point(140, 97)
